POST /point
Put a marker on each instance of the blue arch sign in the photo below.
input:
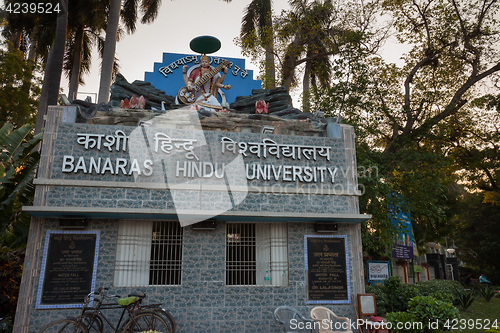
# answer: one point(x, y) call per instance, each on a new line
point(167, 75)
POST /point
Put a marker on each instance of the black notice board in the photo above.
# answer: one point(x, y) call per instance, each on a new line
point(68, 269)
point(327, 270)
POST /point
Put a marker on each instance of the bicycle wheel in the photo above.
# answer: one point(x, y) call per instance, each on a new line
point(147, 322)
point(168, 318)
point(64, 326)
point(93, 323)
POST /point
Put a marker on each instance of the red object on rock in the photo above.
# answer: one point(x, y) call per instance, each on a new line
point(134, 103)
point(125, 104)
point(261, 107)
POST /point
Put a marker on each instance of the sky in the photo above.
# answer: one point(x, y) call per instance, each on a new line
point(178, 22)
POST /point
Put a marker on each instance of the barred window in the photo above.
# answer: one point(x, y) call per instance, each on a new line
point(256, 254)
point(148, 253)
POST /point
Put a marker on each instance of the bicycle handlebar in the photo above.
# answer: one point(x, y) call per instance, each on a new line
point(103, 296)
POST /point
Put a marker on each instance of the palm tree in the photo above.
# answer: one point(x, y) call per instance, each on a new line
point(310, 43)
point(17, 26)
point(53, 71)
point(84, 29)
point(149, 9)
point(128, 12)
point(108, 55)
point(257, 29)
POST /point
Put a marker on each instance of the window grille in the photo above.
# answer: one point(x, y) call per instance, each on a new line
point(148, 253)
point(256, 254)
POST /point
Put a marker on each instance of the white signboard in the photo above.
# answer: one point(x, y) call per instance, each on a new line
point(377, 271)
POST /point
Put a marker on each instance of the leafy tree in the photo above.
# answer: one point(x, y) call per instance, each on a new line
point(313, 34)
point(417, 124)
point(477, 150)
point(85, 26)
point(18, 161)
point(19, 88)
point(454, 51)
point(18, 27)
point(476, 235)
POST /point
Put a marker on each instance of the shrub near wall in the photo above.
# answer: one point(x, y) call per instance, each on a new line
point(425, 314)
point(443, 290)
point(393, 295)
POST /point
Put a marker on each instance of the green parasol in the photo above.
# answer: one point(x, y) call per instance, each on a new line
point(205, 44)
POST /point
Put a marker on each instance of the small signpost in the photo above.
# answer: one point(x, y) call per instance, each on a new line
point(377, 271)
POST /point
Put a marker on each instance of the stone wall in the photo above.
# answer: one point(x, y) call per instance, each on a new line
point(203, 303)
point(117, 191)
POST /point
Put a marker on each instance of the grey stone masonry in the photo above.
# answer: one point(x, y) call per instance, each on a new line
point(203, 303)
point(91, 167)
point(138, 166)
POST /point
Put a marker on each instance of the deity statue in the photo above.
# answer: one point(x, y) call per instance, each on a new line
point(203, 81)
point(202, 84)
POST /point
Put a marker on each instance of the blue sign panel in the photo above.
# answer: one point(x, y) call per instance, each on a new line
point(404, 244)
point(167, 75)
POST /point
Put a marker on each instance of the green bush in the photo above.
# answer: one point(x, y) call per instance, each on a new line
point(425, 315)
point(488, 292)
point(381, 298)
point(444, 296)
point(464, 299)
point(402, 317)
point(428, 309)
point(440, 289)
point(392, 295)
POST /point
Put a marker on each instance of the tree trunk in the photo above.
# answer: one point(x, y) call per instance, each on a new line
point(108, 57)
point(15, 39)
point(268, 34)
point(270, 68)
point(32, 50)
point(306, 86)
point(290, 62)
point(74, 80)
point(53, 69)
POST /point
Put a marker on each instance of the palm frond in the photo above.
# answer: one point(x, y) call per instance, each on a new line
point(149, 9)
point(129, 14)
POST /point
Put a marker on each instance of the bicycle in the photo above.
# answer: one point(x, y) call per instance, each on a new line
point(134, 317)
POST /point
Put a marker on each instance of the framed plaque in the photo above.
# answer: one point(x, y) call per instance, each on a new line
point(69, 268)
point(367, 305)
point(327, 270)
